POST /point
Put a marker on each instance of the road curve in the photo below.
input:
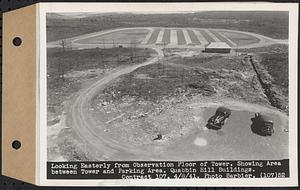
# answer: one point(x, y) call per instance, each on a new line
point(85, 127)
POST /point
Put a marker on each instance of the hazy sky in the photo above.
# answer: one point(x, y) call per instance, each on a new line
point(154, 8)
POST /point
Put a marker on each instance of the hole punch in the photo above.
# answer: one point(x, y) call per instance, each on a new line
point(16, 144)
point(17, 41)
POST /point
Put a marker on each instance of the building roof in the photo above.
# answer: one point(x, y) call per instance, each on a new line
point(218, 45)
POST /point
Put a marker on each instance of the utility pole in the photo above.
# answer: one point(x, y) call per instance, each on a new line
point(63, 44)
point(114, 45)
point(132, 48)
point(61, 71)
point(182, 78)
point(103, 41)
point(158, 67)
point(118, 56)
point(163, 59)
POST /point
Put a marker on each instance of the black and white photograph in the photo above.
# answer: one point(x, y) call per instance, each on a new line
point(178, 86)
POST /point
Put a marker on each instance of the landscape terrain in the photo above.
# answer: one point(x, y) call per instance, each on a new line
point(142, 87)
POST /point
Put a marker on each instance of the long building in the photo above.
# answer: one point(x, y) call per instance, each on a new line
point(217, 47)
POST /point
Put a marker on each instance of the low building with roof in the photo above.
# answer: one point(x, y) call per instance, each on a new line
point(217, 47)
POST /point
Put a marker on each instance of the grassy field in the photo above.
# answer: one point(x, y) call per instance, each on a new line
point(239, 38)
point(222, 38)
point(268, 23)
point(180, 36)
point(166, 37)
point(193, 37)
point(206, 36)
point(272, 24)
point(122, 37)
point(153, 36)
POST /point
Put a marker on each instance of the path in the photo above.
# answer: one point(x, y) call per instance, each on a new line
point(84, 126)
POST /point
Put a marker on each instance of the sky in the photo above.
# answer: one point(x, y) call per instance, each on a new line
point(155, 8)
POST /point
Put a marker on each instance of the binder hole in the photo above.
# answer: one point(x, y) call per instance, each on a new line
point(17, 41)
point(16, 144)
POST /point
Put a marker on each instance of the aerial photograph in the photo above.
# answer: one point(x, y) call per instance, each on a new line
point(207, 85)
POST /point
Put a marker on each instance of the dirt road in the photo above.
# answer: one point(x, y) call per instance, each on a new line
point(84, 125)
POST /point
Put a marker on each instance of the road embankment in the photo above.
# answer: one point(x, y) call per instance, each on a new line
point(275, 98)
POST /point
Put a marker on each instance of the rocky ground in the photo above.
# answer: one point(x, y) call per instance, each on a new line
point(149, 104)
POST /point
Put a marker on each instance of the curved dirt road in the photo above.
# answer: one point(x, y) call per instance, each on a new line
point(86, 128)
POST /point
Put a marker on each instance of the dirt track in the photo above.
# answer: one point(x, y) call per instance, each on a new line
point(83, 124)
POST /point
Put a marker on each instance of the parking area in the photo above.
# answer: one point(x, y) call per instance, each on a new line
point(170, 37)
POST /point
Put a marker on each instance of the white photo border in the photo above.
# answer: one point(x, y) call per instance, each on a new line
point(41, 154)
